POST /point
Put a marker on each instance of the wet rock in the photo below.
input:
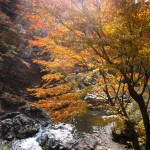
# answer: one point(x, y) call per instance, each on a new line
point(24, 126)
point(18, 126)
point(46, 123)
point(7, 129)
point(57, 137)
point(91, 97)
point(81, 143)
point(42, 140)
point(53, 144)
point(94, 101)
point(64, 137)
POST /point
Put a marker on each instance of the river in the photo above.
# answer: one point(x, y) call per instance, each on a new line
point(90, 131)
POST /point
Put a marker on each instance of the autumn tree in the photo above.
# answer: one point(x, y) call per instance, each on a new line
point(118, 33)
point(111, 36)
point(58, 94)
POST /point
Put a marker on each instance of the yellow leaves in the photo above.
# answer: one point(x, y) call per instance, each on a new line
point(61, 110)
point(41, 62)
point(39, 92)
point(78, 33)
point(144, 57)
point(68, 109)
point(59, 89)
point(41, 42)
point(50, 77)
point(94, 36)
point(65, 56)
point(53, 91)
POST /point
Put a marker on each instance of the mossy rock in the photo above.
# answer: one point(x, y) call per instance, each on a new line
point(5, 146)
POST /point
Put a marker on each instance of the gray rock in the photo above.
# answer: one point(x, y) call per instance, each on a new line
point(43, 139)
point(24, 126)
point(10, 115)
point(63, 137)
point(18, 126)
point(7, 129)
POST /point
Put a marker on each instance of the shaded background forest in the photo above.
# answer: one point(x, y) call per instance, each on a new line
point(17, 70)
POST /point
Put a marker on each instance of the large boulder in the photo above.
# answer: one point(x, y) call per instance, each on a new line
point(18, 126)
point(7, 129)
point(65, 137)
point(24, 126)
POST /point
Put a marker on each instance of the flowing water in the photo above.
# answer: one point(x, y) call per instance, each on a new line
point(91, 120)
point(91, 125)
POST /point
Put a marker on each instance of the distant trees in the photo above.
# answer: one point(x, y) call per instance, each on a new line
point(111, 36)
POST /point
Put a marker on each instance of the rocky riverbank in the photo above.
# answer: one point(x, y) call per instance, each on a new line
point(26, 128)
point(65, 137)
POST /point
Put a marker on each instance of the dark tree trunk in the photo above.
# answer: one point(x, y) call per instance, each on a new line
point(131, 128)
point(133, 135)
point(139, 99)
point(146, 122)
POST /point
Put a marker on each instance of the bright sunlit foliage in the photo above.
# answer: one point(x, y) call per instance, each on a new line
point(109, 36)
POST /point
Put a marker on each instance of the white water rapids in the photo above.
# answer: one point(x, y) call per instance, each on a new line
point(61, 133)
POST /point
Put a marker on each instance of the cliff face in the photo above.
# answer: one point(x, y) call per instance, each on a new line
point(17, 72)
point(9, 7)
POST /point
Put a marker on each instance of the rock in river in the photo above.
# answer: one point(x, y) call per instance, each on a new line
point(18, 126)
point(7, 129)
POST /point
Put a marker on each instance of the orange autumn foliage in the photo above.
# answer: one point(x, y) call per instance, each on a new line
point(57, 95)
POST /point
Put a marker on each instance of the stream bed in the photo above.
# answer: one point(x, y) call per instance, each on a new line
point(91, 131)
